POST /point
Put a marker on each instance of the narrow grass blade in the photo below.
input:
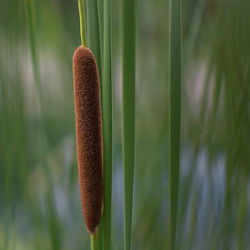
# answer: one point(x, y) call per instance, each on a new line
point(30, 17)
point(100, 4)
point(93, 34)
point(175, 113)
point(107, 127)
point(128, 112)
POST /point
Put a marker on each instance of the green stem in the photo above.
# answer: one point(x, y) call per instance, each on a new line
point(107, 127)
point(30, 16)
point(94, 241)
point(82, 22)
point(128, 113)
point(175, 113)
point(93, 33)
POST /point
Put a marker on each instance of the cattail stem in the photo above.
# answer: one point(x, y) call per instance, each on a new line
point(82, 22)
point(94, 241)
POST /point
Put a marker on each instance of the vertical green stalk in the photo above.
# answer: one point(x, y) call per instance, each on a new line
point(100, 4)
point(30, 16)
point(175, 113)
point(128, 112)
point(93, 34)
point(107, 127)
point(94, 241)
point(82, 22)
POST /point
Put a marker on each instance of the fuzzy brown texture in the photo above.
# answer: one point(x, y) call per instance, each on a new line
point(88, 135)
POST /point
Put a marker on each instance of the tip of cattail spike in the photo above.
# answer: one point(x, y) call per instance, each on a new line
point(88, 135)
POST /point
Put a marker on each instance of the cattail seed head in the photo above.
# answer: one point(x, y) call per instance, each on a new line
point(88, 134)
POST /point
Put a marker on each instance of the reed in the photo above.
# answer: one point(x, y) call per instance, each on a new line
point(107, 126)
point(128, 112)
point(175, 113)
point(30, 17)
point(93, 33)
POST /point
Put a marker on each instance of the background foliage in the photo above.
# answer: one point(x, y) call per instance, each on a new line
point(39, 193)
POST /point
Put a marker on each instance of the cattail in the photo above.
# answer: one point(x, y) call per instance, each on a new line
point(88, 135)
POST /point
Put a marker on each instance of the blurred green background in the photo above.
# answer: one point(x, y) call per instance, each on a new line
point(39, 193)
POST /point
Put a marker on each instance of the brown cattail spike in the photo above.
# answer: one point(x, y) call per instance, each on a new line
point(88, 134)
